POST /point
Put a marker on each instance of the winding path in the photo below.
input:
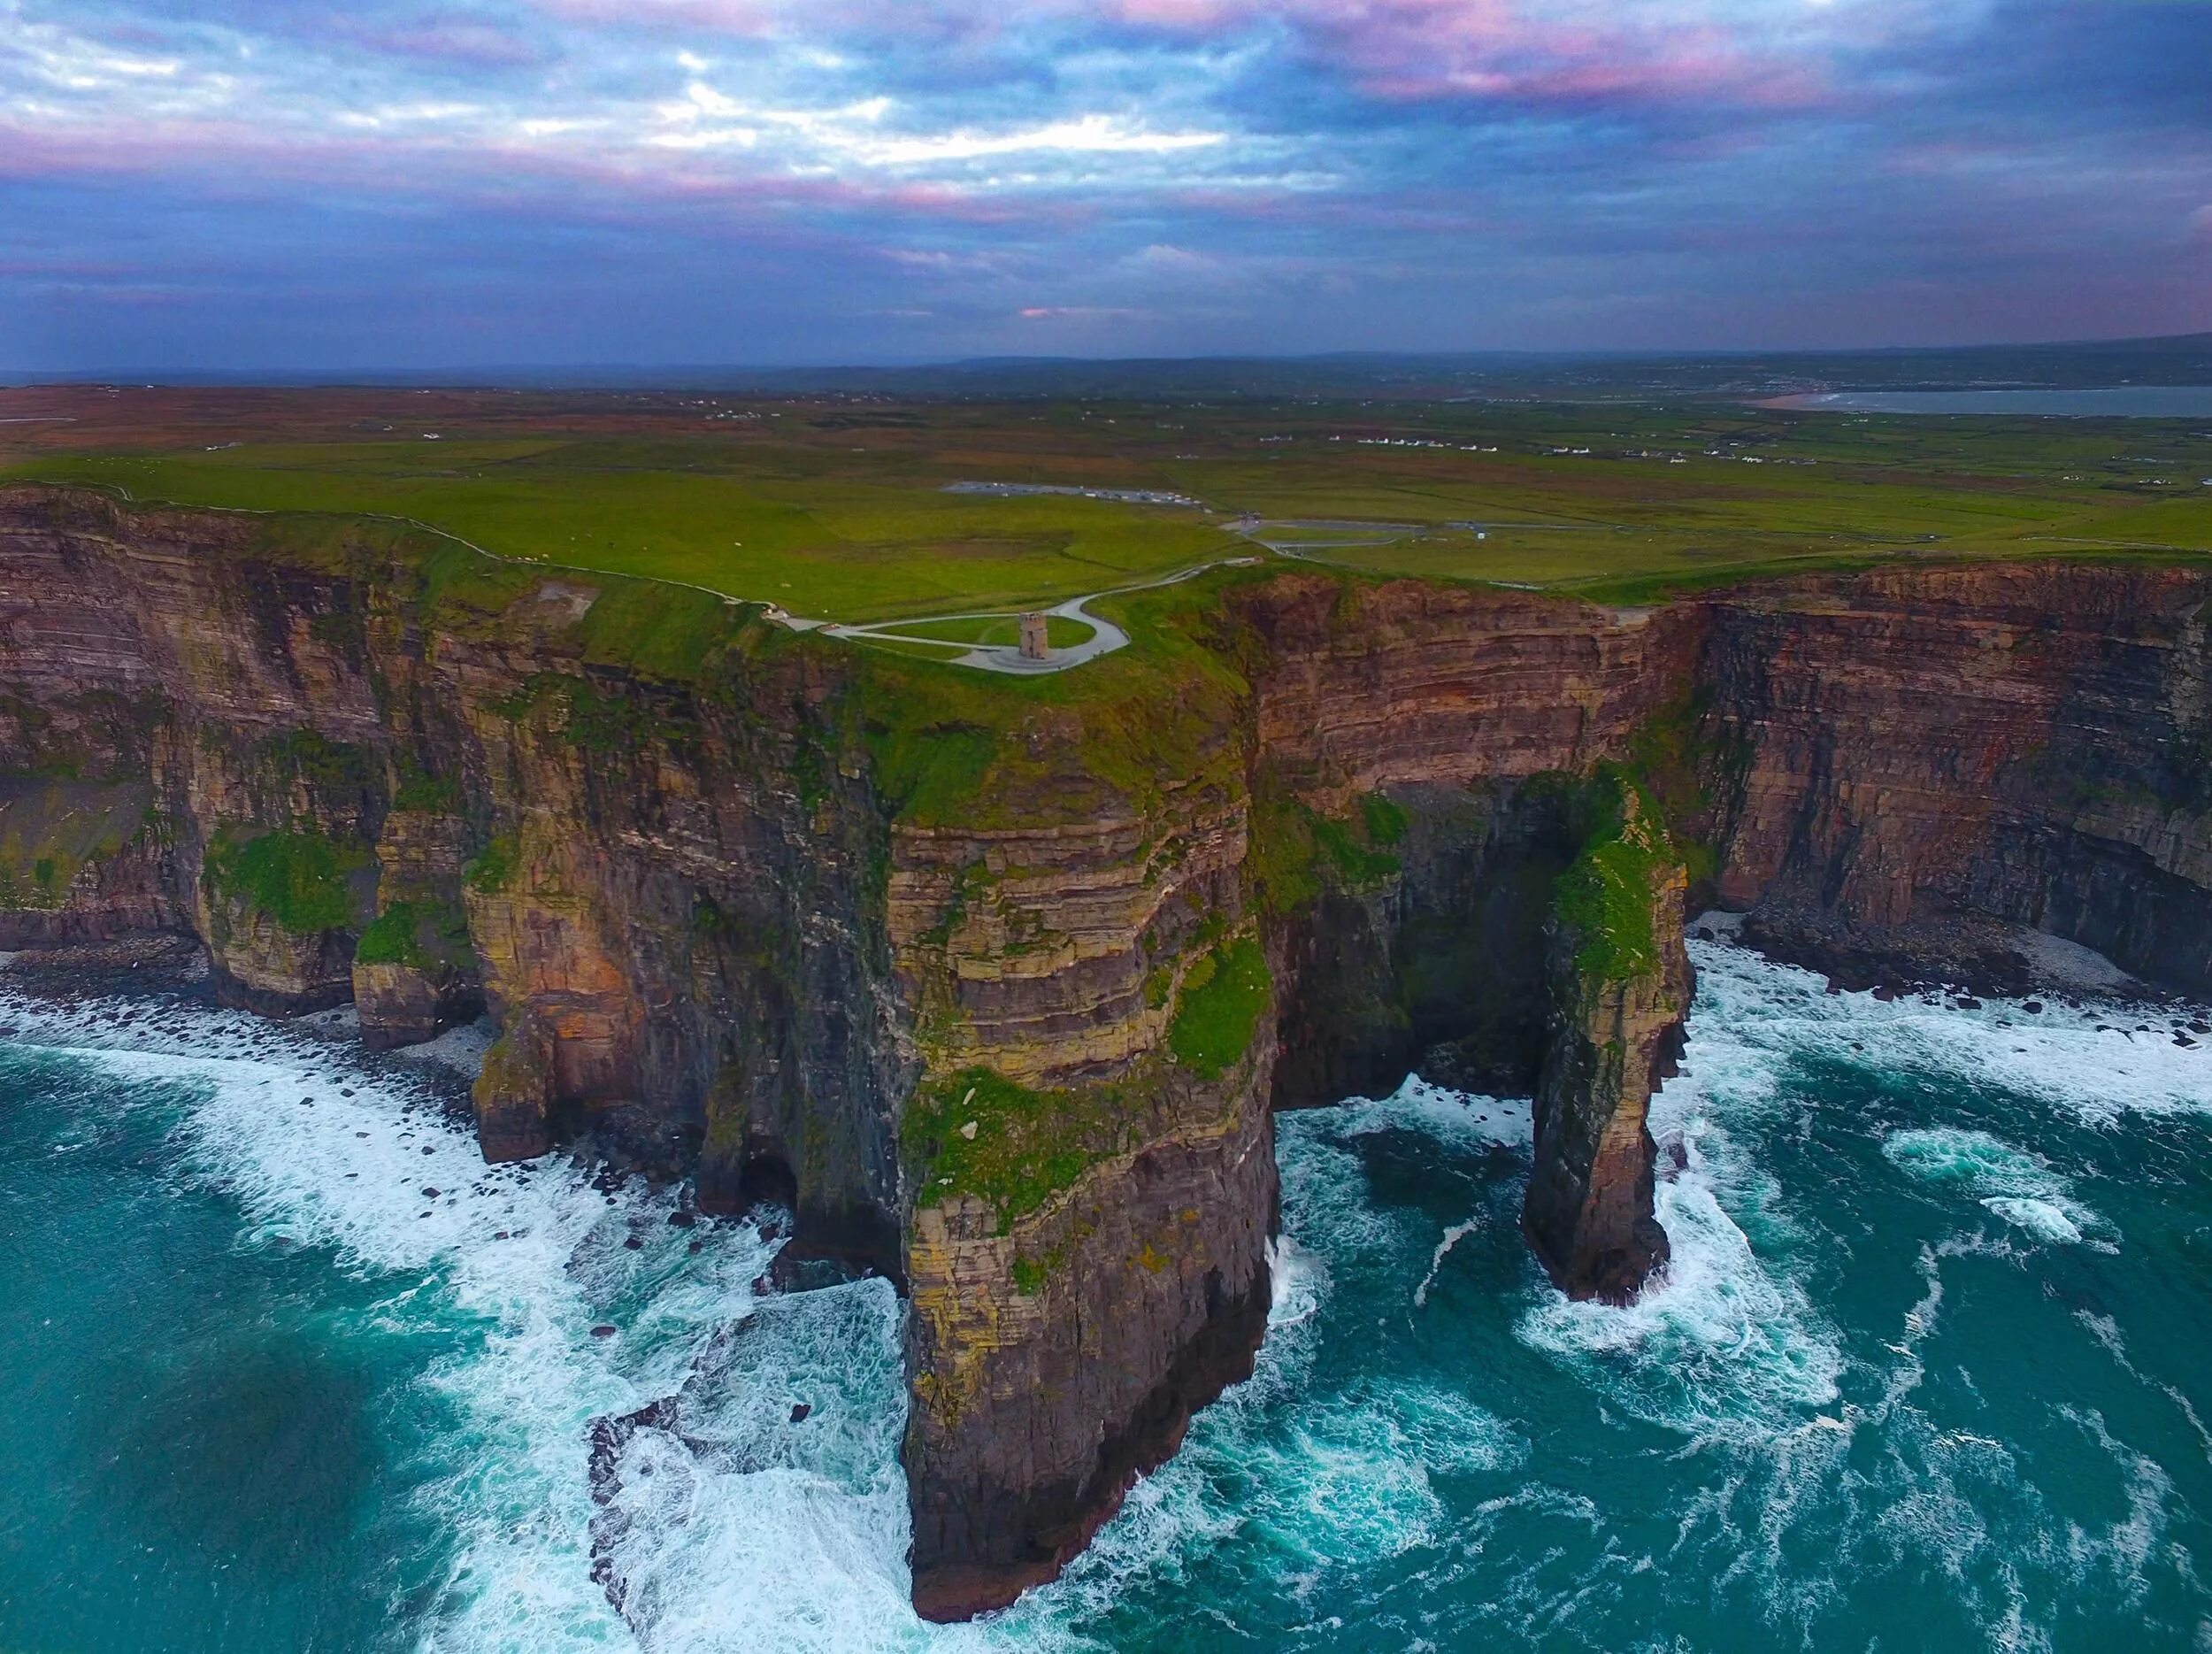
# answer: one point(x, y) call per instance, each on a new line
point(1105, 637)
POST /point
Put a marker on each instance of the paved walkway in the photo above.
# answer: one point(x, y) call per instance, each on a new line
point(1105, 637)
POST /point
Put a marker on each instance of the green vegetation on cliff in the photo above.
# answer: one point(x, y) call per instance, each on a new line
point(430, 795)
point(1223, 994)
point(421, 935)
point(951, 747)
point(619, 717)
point(300, 879)
point(1679, 760)
point(978, 1134)
point(50, 829)
point(1295, 848)
point(842, 512)
point(493, 869)
point(329, 767)
point(825, 527)
point(1605, 896)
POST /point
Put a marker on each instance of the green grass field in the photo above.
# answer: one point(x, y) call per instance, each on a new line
point(839, 510)
point(848, 549)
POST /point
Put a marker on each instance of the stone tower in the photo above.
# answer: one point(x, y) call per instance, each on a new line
point(1035, 644)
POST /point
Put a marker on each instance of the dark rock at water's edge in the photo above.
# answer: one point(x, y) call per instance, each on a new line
point(1027, 1536)
point(1958, 954)
point(160, 963)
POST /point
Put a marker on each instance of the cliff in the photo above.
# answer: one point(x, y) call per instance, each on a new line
point(996, 984)
point(2032, 742)
point(1620, 987)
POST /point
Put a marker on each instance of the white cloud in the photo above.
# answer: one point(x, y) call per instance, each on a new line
point(1086, 134)
point(851, 135)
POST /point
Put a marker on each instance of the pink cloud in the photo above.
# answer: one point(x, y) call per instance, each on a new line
point(1567, 51)
point(1563, 51)
point(731, 17)
point(237, 158)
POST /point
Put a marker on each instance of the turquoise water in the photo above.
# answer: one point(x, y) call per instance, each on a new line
point(1929, 1372)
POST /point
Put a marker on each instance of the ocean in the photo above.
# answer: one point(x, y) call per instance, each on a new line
point(287, 1367)
point(2127, 402)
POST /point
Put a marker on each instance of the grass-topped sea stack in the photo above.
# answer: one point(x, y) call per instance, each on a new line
point(1620, 990)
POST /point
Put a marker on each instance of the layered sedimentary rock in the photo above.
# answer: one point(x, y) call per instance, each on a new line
point(1619, 980)
point(995, 985)
point(2033, 742)
point(1094, 1183)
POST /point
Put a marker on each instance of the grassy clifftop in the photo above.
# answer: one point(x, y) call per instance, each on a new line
point(845, 511)
point(952, 747)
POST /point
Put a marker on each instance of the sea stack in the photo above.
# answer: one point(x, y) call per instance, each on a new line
point(1620, 984)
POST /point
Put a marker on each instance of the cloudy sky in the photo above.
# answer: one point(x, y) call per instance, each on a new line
point(389, 183)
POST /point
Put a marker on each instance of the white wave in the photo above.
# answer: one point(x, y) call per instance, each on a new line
point(742, 1550)
point(1724, 1339)
point(1453, 1233)
point(1718, 1343)
point(1975, 1159)
point(2042, 1219)
point(1464, 1120)
point(1298, 1282)
point(2010, 1182)
point(744, 1530)
point(2098, 1061)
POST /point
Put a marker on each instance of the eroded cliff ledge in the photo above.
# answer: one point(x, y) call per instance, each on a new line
point(997, 983)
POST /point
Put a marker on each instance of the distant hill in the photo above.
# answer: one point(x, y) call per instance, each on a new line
point(2181, 359)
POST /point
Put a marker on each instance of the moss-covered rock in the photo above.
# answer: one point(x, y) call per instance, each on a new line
point(1224, 995)
point(978, 1134)
point(300, 880)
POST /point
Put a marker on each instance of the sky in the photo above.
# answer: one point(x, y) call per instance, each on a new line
point(292, 185)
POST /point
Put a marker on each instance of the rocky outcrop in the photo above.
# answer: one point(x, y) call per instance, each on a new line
point(1089, 1151)
point(995, 985)
point(1620, 990)
point(1039, 1393)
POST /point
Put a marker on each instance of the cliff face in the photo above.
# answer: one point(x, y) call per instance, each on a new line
point(347, 783)
point(2029, 742)
point(1462, 719)
point(1015, 1053)
point(1620, 992)
point(1093, 1173)
point(997, 985)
